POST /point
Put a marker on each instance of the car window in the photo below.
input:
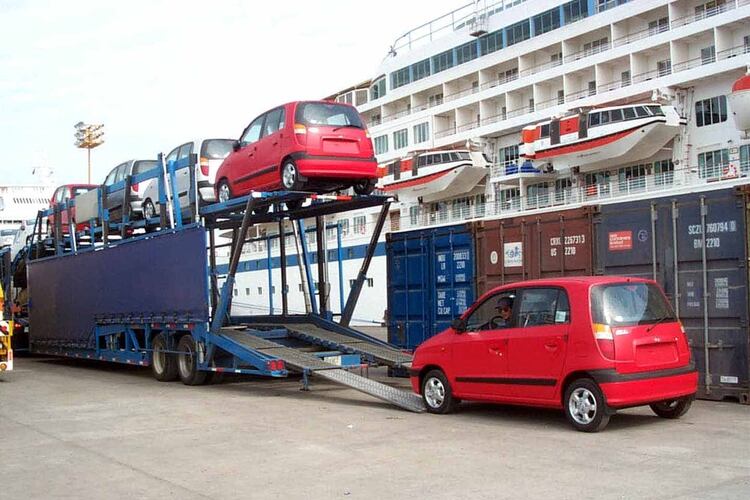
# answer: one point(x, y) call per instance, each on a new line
point(627, 304)
point(78, 190)
point(543, 306)
point(487, 315)
point(111, 177)
point(252, 133)
point(172, 156)
point(143, 166)
point(331, 114)
point(273, 119)
point(57, 198)
point(216, 149)
point(65, 194)
point(122, 171)
point(185, 150)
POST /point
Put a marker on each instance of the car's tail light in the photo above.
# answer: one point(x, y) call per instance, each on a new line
point(604, 340)
point(300, 133)
point(204, 166)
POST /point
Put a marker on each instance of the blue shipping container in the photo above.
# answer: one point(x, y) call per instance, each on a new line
point(431, 281)
point(695, 246)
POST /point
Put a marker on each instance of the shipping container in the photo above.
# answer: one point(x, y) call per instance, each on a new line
point(695, 246)
point(431, 281)
point(535, 246)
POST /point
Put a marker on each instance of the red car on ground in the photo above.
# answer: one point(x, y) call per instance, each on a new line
point(311, 145)
point(61, 195)
point(588, 345)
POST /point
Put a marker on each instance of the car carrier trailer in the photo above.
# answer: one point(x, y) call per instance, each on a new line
point(154, 299)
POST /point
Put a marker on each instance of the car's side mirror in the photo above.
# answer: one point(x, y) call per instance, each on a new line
point(458, 325)
point(236, 146)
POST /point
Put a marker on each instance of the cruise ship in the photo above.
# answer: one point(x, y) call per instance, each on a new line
point(502, 108)
point(19, 205)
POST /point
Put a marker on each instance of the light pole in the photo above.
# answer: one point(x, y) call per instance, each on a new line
point(88, 137)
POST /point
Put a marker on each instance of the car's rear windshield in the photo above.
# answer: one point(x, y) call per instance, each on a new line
point(80, 190)
point(143, 166)
point(332, 114)
point(216, 149)
point(628, 304)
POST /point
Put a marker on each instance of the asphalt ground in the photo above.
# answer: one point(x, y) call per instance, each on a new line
point(91, 430)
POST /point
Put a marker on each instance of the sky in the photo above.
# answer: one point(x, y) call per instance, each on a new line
point(159, 73)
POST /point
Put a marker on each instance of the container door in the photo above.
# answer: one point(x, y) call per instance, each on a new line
point(538, 344)
point(453, 274)
point(408, 318)
point(712, 285)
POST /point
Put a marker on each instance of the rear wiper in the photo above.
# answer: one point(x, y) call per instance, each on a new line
point(345, 126)
point(660, 320)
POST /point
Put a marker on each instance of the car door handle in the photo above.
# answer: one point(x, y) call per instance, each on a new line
point(551, 346)
point(496, 350)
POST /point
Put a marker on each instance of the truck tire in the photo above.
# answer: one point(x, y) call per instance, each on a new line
point(163, 364)
point(187, 362)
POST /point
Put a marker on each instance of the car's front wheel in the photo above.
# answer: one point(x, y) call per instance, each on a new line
point(290, 180)
point(672, 409)
point(437, 393)
point(223, 191)
point(585, 406)
point(364, 186)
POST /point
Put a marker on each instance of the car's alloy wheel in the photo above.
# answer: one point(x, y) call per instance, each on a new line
point(290, 176)
point(585, 406)
point(225, 194)
point(437, 393)
point(149, 211)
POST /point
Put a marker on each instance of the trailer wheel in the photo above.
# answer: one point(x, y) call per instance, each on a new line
point(163, 364)
point(187, 362)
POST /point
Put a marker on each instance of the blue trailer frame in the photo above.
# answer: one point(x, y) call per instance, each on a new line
point(129, 337)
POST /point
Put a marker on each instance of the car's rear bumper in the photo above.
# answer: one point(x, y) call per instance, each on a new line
point(633, 389)
point(336, 167)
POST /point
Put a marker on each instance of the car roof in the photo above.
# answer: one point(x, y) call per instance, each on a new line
point(573, 280)
point(77, 185)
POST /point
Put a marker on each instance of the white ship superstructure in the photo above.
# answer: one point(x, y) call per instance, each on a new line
point(476, 77)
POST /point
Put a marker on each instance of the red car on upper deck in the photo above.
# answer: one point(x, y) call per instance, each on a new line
point(588, 345)
point(63, 194)
point(311, 145)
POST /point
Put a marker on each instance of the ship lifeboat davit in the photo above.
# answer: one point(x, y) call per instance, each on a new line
point(739, 102)
point(601, 137)
point(434, 175)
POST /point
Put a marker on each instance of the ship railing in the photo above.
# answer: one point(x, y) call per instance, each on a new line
point(548, 103)
point(587, 52)
point(396, 115)
point(445, 133)
point(640, 35)
point(733, 51)
point(541, 67)
point(499, 81)
point(613, 85)
point(651, 74)
point(705, 14)
point(460, 94)
point(693, 63)
point(463, 17)
point(579, 95)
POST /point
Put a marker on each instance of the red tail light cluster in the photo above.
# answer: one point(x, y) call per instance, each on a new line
point(275, 365)
point(204, 166)
point(604, 340)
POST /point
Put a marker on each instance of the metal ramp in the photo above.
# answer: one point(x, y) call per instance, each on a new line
point(303, 362)
point(389, 356)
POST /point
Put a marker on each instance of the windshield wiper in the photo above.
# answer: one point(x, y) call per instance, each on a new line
point(660, 320)
point(351, 125)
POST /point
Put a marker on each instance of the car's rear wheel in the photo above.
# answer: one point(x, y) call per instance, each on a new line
point(585, 406)
point(364, 186)
point(224, 192)
point(674, 408)
point(163, 364)
point(290, 180)
point(187, 362)
point(437, 393)
point(149, 211)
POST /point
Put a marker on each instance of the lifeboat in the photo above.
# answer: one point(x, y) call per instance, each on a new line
point(739, 102)
point(434, 175)
point(600, 137)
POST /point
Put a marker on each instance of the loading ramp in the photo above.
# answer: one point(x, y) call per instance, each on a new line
point(307, 363)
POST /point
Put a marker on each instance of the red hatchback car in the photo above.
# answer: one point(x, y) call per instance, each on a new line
point(588, 345)
point(63, 194)
point(315, 145)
